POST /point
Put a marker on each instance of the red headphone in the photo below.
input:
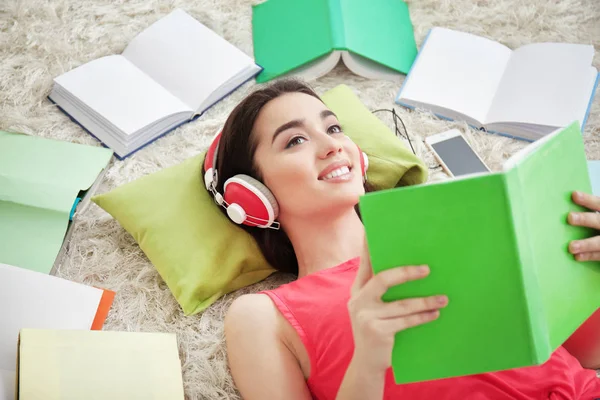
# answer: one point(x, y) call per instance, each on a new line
point(247, 200)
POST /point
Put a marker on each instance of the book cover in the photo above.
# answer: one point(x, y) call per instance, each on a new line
point(497, 246)
point(289, 36)
point(40, 180)
point(98, 365)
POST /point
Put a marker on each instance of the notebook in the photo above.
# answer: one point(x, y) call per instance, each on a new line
point(308, 38)
point(524, 93)
point(169, 74)
point(497, 245)
point(31, 299)
point(43, 183)
point(98, 365)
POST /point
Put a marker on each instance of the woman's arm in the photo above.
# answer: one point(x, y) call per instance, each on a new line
point(584, 344)
point(261, 364)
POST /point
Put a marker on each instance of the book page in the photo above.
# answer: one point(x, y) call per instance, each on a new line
point(120, 93)
point(7, 383)
point(368, 69)
point(39, 182)
point(457, 71)
point(545, 84)
point(528, 150)
point(34, 300)
point(186, 58)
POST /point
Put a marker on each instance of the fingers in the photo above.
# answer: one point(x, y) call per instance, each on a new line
point(381, 282)
point(585, 246)
point(401, 323)
point(587, 200)
point(411, 306)
point(589, 256)
point(587, 219)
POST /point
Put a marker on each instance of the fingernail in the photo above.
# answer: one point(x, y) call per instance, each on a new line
point(575, 246)
point(441, 299)
point(574, 217)
point(424, 269)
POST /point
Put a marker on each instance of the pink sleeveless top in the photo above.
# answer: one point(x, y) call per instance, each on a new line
point(315, 305)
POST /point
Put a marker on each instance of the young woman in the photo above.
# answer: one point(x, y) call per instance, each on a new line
point(327, 335)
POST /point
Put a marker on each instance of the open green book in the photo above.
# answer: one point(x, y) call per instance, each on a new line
point(496, 244)
point(43, 183)
point(307, 38)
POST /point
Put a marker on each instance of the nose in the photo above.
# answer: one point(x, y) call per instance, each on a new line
point(329, 146)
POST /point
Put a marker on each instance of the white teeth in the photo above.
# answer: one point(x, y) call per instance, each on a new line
point(337, 172)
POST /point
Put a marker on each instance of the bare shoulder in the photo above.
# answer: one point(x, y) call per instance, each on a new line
point(255, 311)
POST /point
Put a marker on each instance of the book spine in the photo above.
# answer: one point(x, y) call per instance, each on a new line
point(538, 327)
point(336, 23)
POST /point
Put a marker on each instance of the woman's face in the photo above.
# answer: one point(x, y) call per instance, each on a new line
point(305, 159)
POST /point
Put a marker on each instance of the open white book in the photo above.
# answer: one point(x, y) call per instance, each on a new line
point(526, 93)
point(170, 73)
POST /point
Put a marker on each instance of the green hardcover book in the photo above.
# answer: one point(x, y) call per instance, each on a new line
point(308, 37)
point(496, 244)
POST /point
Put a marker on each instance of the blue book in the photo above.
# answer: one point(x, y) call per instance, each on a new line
point(169, 74)
point(524, 93)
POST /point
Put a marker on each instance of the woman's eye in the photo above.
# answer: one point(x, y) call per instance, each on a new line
point(334, 129)
point(295, 141)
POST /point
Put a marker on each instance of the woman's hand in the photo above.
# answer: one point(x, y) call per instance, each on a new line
point(374, 322)
point(587, 249)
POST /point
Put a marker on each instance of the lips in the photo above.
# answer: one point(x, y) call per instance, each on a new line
point(335, 168)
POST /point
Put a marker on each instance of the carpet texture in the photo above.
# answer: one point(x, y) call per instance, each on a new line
point(41, 39)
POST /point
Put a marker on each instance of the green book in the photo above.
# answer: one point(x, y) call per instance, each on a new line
point(41, 184)
point(308, 37)
point(496, 244)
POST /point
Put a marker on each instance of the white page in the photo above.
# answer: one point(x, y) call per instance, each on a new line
point(118, 91)
point(367, 68)
point(545, 84)
point(7, 383)
point(457, 71)
point(31, 299)
point(186, 57)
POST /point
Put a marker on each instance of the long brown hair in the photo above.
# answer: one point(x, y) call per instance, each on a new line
point(236, 156)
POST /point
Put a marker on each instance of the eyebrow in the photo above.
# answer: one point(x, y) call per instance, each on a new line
point(298, 123)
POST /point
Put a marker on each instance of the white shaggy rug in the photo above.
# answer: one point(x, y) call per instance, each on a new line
point(40, 39)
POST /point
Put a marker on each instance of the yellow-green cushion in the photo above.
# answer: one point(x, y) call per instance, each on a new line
point(198, 252)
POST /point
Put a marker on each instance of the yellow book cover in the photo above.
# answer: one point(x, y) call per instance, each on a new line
point(94, 365)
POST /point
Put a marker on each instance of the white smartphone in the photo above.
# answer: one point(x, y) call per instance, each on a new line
point(455, 154)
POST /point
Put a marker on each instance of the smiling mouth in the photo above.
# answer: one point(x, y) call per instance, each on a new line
point(336, 173)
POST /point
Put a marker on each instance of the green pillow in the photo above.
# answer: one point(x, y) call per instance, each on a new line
point(198, 252)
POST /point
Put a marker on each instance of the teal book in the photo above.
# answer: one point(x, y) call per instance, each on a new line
point(497, 246)
point(309, 37)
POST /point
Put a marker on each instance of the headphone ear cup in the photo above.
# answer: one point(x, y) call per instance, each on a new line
point(253, 197)
point(210, 162)
point(364, 161)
